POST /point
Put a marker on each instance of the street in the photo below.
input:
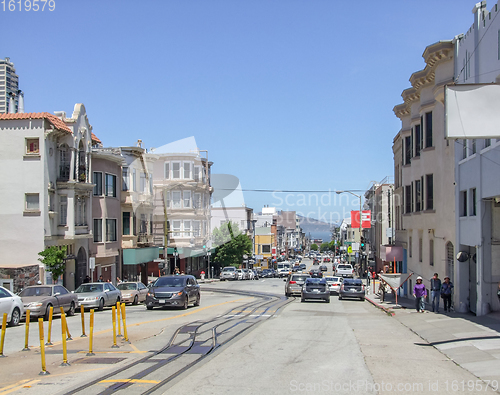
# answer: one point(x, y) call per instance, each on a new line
point(344, 347)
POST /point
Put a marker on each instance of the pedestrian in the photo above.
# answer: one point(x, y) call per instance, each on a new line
point(435, 292)
point(101, 280)
point(446, 289)
point(369, 277)
point(86, 279)
point(419, 293)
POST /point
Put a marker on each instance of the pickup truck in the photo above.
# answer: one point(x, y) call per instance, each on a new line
point(344, 270)
point(229, 273)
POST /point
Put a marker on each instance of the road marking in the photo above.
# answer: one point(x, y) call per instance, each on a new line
point(17, 386)
point(130, 381)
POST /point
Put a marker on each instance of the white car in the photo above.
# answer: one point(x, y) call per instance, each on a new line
point(241, 275)
point(344, 270)
point(12, 305)
point(334, 283)
point(228, 273)
point(249, 274)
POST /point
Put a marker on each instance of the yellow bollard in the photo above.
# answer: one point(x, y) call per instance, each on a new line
point(27, 333)
point(42, 347)
point(118, 319)
point(4, 328)
point(124, 318)
point(91, 333)
point(114, 328)
point(82, 313)
point(49, 337)
point(64, 325)
point(67, 329)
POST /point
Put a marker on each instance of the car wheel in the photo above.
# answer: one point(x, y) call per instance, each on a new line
point(47, 313)
point(149, 307)
point(328, 300)
point(136, 300)
point(362, 299)
point(198, 298)
point(186, 302)
point(302, 300)
point(340, 297)
point(101, 305)
point(15, 317)
point(117, 300)
point(71, 310)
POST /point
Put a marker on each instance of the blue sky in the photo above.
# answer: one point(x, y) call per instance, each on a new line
point(284, 94)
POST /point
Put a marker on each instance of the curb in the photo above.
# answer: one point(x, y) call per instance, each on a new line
point(387, 310)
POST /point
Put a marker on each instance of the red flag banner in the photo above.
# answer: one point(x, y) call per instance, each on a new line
point(366, 221)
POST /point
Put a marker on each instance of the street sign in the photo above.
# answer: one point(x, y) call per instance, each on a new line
point(92, 263)
point(259, 256)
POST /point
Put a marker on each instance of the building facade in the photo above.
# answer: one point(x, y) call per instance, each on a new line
point(9, 88)
point(424, 170)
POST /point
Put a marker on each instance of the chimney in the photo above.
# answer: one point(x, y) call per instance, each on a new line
point(20, 103)
point(12, 104)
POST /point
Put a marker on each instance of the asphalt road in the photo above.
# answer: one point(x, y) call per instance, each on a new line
point(344, 347)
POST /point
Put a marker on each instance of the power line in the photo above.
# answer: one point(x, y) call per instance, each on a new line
point(289, 191)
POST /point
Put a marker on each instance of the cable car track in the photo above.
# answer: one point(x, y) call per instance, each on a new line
point(189, 345)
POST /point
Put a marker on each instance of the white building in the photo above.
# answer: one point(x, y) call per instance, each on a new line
point(424, 170)
point(45, 198)
point(240, 215)
point(477, 163)
point(9, 87)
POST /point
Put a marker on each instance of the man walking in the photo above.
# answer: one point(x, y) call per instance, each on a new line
point(446, 289)
point(435, 292)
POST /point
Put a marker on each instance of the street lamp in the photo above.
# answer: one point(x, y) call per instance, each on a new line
point(360, 220)
point(176, 254)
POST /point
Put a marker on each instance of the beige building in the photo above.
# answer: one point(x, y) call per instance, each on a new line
point(424, 170)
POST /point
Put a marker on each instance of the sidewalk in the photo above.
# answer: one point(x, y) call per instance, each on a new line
point(471, 342)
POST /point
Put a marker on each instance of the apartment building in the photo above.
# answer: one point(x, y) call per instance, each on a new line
point(9, 88)
point(424, 170)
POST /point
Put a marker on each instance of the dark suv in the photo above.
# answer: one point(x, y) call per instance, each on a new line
point(315, 288)
point(352, 288)
point(179, 291)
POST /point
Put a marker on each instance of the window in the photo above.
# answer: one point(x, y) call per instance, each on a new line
point(134, 180)
point(97, 181)
point(463, 203)
point(110, 187)
point(196, 173)
point(487, 143)
point(187, 229)
point(418, 195)
point(176, 199)
point(187, 199)
point(166, 172)
point(196, 229)
point(81, 211)
point(410, 246)
point(407, 150)
point(63, 210)
point(151, 184)
point(142, 187)
point(32, 146)
point(97, 230)
point(420, 248)
point(144, 224)
point(126, 223)
point(176, 228)
point(428, 129)
point(32, 202)
point(464, 149)
point(408, 199)
point(473, 149)
point(125, 178)
point(429, 188)
point(197, 201)
point(473, 206)
point(417, 140)
point(111, 230)
point(187, 170)
point(266, 249)
point(176, 170)
point(431, 252)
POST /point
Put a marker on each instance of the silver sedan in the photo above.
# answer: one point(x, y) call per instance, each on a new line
point(97, 295)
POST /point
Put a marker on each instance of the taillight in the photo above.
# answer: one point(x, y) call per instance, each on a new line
point(363, 287)
point(293, 282)
point(353, 270)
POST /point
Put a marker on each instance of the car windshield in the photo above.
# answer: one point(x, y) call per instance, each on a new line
point(127, 286)
point(85, 288)
point(330, 279)
point(170, 282)
point(315, 281)
point(344, 266)
point(228, 269)
point(299, 278)
point(353, 282)
point(36, 291)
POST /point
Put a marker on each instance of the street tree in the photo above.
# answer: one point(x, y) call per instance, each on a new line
point(325, 247)
point(314, 247)
point(53, 259)
point(231, 244)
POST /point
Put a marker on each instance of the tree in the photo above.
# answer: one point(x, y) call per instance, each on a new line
point(325, 247)
point(53, 259)
point(232, 244)
point(314, 247)
point(331, 245)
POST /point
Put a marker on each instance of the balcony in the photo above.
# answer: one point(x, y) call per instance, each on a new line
point(145, 239)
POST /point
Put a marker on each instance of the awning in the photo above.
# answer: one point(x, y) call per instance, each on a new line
point(391, 253)
point(135, 256)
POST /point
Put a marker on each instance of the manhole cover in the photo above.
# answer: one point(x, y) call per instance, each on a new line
point(107, 361)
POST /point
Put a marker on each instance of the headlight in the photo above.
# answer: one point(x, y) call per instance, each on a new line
point(35, 304)
point(177, 294)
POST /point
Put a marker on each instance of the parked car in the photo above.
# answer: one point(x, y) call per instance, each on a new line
point(97, 295)
point(315, 288)
point(173, 290)
point(241, 275)
point(316, 273)
point(267, 273)
point(228, 273)
point(344, 270)
point(352, 288)
point(294, 283)
point(248, 274)
point(12, 305)
point(133, 292)
point(255, 274)
point(39, 298)
point(334, 283)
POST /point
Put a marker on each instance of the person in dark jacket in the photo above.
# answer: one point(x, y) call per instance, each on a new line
point(419, 293)
point(435, 292)
point(446, 289)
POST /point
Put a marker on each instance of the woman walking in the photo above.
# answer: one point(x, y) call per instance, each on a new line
point(446, 288)
point(419, 293)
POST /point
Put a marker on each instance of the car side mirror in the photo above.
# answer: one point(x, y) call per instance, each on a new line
point(57, 293)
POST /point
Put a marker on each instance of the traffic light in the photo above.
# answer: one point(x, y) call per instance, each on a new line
point(363, 246)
